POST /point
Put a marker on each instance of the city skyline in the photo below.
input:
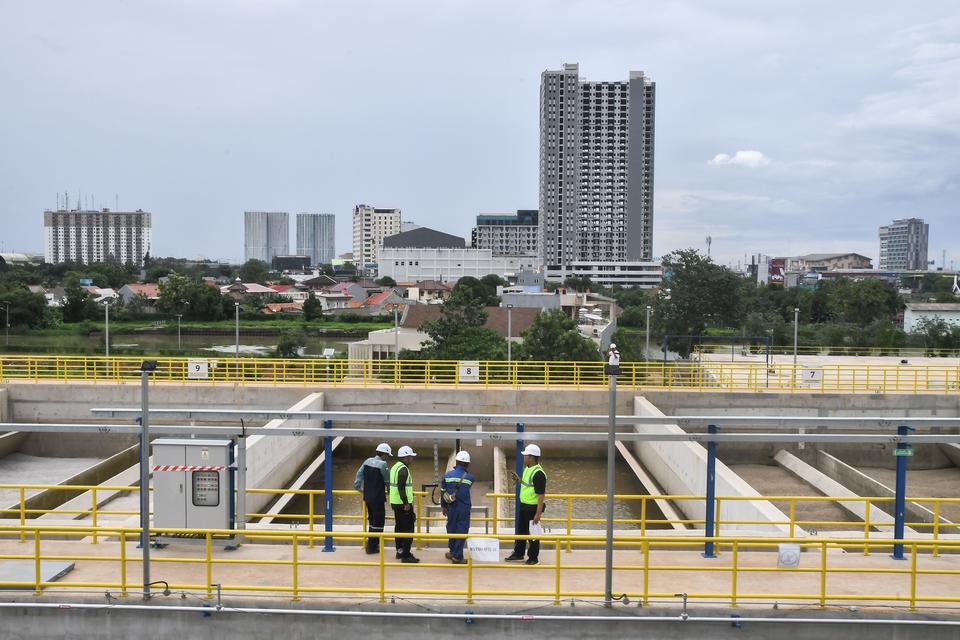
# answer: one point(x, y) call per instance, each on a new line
point(784, 130)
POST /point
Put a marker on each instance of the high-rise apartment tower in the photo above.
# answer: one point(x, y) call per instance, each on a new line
point(903, 245)
point(315, 237)
point(97, 236)
point(370, 226)
point(596, 168)
point(266, 234)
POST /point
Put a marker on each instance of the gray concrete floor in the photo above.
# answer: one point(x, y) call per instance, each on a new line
point(926, 483)
point(19, 468)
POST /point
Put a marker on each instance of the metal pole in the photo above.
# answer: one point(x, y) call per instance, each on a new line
point(518, 466)
point(710, 524)
point(646, 351)
point(796, 326)
point(396, 334)
point(899, 504)
point(328, 487)
point(241, 520)
point(509, 332)
point(145, 479)
point(236, 312)
point(611, 489)
point(106, 310)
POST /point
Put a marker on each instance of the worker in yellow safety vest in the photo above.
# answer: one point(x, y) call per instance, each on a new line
point(401, 499)
point(533, 487)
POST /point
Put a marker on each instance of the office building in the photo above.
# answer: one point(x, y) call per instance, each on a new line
point(370, 226)
point(903, 245)
point(507, 234)
point(596, 168)
point(266, 234)
point(315, 237)
point(97, 236)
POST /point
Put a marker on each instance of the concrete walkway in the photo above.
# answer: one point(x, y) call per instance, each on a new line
point(690, 574)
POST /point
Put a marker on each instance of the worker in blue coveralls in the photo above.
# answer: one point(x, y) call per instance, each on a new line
point(455, 496)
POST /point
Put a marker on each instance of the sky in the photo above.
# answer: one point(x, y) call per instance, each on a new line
point(781, 127)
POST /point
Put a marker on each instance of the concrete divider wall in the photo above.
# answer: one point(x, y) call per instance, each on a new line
point(4, 405)
point(273, 462)
point(681, 469)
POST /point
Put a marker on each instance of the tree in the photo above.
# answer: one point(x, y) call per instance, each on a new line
point(26, 308)
point(459, 334)
point(291, 342)
point(633, 317)
point(77, 304)
point(254, 271)
point(580, 284)
point(386, 281)
point(697, 293)
point(491, 281)
point(174, 294)
point(554, 336)
point(469, 290)
point(312, 308)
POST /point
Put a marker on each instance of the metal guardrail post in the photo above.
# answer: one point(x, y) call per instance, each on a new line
point(899, 507)
point(709, 520)
point(328, 488)
point(519, 470)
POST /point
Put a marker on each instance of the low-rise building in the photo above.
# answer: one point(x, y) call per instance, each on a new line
point(646, 275)
point(827, 262)
point(428, 292)
point(149, 291)
point(916, 312)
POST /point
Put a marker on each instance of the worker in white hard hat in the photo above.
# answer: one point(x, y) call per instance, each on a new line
point(456, 504)
point(533, 488)
point(401, 499)
point(372, 478)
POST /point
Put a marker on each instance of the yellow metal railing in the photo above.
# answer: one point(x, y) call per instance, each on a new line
point(643, 567)
point(567, 519)
point(704, 375)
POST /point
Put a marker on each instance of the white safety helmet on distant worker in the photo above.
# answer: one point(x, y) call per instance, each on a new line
point(383, 447)
point(531, 450)
point(463, 456)
point(405, 451)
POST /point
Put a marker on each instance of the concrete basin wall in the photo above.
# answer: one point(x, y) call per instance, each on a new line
point(681, 469)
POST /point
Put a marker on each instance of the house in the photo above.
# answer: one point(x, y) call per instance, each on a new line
point(429, 292)
point(916, 312)
point(383, 302)
point(274, 308)
point(239, 289)
point(292, 292)
point(149, 291)
point(352, 289)
point(315, 281)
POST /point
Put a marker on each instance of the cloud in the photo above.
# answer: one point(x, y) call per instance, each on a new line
point(747, 158)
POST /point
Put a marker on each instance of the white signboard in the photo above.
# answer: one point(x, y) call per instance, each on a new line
point(788, 556)
point(197, 369)
point(468, 371)
point(484, 549)
point(812, 376)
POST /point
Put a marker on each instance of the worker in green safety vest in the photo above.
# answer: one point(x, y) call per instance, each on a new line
point(533, 487)
point(401, 499)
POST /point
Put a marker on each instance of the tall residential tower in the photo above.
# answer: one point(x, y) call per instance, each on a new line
point(370, 226)
point(596, 168)
point(315, 237)
point(903, 245)
point(97, 236)
point(265, 234)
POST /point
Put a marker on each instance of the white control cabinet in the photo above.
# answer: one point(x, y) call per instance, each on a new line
point(192, 484)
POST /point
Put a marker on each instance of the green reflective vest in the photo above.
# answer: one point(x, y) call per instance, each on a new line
point(394, 491)
point(527, 493)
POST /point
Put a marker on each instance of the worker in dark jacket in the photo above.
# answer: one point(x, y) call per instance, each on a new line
point(401, 499)
point(455, 492)
point(372, 478)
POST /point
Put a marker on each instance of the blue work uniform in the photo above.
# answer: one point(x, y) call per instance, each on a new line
point(458, 481)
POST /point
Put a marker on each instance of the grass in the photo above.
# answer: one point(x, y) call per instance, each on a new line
point(123, 326)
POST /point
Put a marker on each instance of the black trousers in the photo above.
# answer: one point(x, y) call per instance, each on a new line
point(404, 522)
point(376, 514)
point(527, 511)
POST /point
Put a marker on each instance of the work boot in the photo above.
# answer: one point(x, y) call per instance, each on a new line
point(532, 561)
point(448, 555)
point(458, 560)
point(370, 551)
point(410, 559)
point(513, 558)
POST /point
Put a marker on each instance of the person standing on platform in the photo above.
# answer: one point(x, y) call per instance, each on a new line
point(533, 488)
point(401, 499)
point(371, 480)
point(455, 497)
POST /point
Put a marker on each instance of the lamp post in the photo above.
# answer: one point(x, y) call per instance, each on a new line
point(646, 351)
point(612, 369)
point(509, 332)
point(396, 333)
point(146, 368)
point(179, 315)
point(106, 312)
point(796, 327)
point(236, 313)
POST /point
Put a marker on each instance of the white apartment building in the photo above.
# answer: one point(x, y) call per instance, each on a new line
point(265, 234)
point(645, 275)
point(97, 236)
point(443, 264)
point(370, 226)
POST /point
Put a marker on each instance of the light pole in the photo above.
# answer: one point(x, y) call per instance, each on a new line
point(179, 315)
point(612, 369)
point(106, 311)
point(796, 327)
point(509, 332)
point(396, 333)
point(146, 368)
point(236, 313)
point(646, 351)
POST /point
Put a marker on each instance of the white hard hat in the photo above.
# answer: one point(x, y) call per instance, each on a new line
point(463, 456)
point(383, 447)
point(531, 450)
point(613, 346)
point(405, 451)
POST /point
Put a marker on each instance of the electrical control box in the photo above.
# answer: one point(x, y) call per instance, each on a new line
point(193, 484)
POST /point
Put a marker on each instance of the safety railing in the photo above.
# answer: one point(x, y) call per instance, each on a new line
point(706, 375)
point(759, 349)
point(645, 568)
point(567, 518)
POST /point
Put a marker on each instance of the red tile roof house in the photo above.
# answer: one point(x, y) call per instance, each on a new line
point(149, 291)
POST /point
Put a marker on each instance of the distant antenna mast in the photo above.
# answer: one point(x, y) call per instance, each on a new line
point(709, 242)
